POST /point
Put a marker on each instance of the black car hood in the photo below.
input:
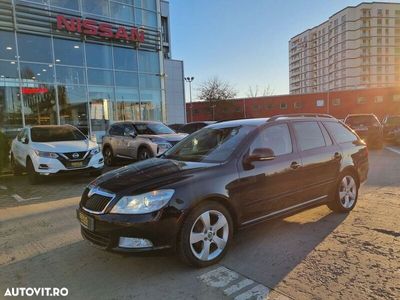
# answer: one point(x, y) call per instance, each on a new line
point(147, 174)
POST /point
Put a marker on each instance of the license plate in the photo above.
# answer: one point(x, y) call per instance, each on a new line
point(76, 164)
point(85, 220)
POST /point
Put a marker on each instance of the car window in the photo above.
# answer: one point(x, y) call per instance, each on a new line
point(116, 129)
point(309, 135)
point(56, 134)
point(209, 144)
point(275, 137)
point(340, 133)
point(359, 120)
point(153, 128)
point(393, 120)
point(20, 134)
point(129, 128)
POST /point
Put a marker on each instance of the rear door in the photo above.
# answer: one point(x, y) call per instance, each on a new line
point(320, 157)
point(269, 186)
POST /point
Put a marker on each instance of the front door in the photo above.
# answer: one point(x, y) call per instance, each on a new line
point(270, 186)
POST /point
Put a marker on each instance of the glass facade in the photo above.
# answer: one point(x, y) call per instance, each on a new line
point(60, 78)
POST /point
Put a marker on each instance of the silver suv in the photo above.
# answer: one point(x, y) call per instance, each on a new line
point(138, 140)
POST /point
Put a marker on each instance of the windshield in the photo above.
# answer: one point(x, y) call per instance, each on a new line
point(393, 120)
point(153, 128)
point(209, 144)
point(361, 120)
point(56, 134)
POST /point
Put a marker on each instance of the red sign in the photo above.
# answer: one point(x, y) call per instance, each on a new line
point(92, 27)
point(31, 91)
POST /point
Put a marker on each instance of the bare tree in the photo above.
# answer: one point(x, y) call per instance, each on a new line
point(256, 91)
point(215, 89)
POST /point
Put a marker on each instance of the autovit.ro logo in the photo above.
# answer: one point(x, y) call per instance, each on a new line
point(36, 292)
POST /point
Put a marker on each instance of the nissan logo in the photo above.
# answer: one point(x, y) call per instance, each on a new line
point(75, 155)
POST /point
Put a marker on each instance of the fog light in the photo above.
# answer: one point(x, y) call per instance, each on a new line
point(43, 166)
point(127, 242)
point(101, 161)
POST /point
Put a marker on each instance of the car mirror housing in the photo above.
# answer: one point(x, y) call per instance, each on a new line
point(261, 154)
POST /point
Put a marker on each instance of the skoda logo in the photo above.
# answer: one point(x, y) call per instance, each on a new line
point(75, 155)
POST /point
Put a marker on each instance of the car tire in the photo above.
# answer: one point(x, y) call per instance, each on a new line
point(200, 243)
point(108, 155)
point(16, 168)
point(144, 153)
point(33, 176)
point(345, 194)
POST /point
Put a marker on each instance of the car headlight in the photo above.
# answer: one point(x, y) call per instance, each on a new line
point(144, 203)
point(95, 151)
point(46, 154)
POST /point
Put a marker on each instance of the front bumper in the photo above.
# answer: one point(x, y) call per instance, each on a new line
point(160, 228)
point(49, 166)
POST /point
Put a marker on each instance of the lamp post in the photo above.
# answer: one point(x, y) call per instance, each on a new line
point(190, 79)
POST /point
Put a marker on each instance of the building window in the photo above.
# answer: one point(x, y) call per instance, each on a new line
point(396, 98)
point(336, 102)
point(320, 103)
point(361, 100)
point(378, 99)
point(283, 106)
point(298, 105)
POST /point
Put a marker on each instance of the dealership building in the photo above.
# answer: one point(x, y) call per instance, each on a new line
point(87, 63)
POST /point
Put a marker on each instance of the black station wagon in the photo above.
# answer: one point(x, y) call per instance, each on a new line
point(225, 176)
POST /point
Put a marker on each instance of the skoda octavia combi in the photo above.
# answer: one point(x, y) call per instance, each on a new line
point(49, 150)
point(225, 176)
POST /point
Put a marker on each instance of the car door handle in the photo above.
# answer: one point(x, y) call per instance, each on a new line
point(295, 165)
point(337, 156)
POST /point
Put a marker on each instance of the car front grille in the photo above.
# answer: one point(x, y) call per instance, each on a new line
point(75, 155)
point(95, 203)
point(95, 237)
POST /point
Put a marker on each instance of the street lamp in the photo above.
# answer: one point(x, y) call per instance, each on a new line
point(190, 79)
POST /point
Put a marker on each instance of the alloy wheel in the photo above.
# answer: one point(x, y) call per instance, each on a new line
point(347, 192)
point(209, 235)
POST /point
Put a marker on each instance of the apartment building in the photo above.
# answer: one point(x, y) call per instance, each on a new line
point(357, 47)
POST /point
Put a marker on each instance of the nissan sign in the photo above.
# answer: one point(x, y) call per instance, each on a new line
point(92, 27)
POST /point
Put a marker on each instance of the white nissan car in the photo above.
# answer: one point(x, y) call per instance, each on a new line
point(47, 150)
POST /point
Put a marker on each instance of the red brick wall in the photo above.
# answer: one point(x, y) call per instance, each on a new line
point(268, 106)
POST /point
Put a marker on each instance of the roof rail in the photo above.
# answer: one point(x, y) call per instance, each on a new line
point(310, 115)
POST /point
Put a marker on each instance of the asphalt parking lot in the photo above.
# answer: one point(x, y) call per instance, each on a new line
point(315, 254)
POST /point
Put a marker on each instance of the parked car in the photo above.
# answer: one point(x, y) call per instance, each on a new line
point(189, 128)
point(49, 150)
point(138, 140)
point(221, 178)
point(368, 127)
point(176, 126)
point(391, 127)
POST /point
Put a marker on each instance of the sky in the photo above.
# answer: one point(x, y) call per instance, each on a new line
point(243, 42)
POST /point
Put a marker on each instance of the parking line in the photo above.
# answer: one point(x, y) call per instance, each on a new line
point(257, 292)
point(238, 287)
point(393, 150)
point(20, 199)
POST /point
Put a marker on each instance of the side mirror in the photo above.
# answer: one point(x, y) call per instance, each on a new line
point(24, 140)
point(132, 134)
point(261, 154)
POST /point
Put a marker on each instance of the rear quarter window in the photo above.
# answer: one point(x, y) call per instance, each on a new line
point(340, 133)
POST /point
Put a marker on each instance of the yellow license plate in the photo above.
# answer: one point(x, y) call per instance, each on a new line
point(76, 164)
point(83, 219)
